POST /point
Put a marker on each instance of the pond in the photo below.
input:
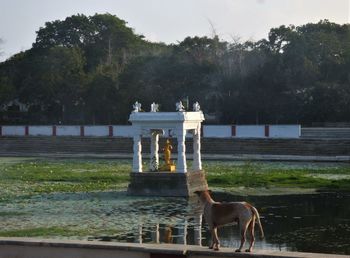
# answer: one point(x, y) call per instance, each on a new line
point(310, 223)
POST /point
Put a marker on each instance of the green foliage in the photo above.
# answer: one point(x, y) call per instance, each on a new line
point(21, 178)
point(47, 232)
point(227, 175)
point(68, 171)
point(104, 38)
point(7, 90)
point(90, 69)
point(29, 177)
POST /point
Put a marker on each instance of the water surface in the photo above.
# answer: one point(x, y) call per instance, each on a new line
point(310, 223)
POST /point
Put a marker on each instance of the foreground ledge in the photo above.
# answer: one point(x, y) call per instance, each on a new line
point(46, 248)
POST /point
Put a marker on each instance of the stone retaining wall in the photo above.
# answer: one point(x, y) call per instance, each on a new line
point(41, 248)
point(222, 146)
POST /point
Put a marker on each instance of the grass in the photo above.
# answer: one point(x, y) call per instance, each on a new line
point(34, 232)
point(21, 178)
point(53, 232)
point(249, 174)
point(11, 213)
point(29, 177)
point(67, 171)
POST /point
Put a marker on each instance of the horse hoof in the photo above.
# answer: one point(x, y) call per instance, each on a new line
point(238, 250)
point(248, 250)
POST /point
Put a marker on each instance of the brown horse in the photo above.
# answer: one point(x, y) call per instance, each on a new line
point(217, 214)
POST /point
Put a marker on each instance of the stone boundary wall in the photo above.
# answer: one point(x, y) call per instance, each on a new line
point(44, 248)
point(210, 131)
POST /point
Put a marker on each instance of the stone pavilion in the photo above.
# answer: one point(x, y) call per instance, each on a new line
point(152, 181)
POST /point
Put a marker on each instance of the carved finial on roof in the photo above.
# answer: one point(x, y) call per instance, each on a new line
point(154, 107)
point(196, 107)
point(136, 107)
point(180, 107)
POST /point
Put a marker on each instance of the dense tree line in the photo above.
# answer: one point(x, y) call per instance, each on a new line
point(90, 69)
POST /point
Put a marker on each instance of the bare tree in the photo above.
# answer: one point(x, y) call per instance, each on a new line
point(1, 42)
point(213, 30)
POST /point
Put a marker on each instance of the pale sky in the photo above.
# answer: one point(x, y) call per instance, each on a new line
point(168, 21)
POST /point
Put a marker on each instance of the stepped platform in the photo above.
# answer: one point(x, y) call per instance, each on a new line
point(212, 148)
point(325, 132)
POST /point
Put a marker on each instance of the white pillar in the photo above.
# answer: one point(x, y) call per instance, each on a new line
point(197, 160)
point(154, 152)
point(140, 234)
point(181, 152)
point(157, 236)
point(137, 158)
point(183, 231)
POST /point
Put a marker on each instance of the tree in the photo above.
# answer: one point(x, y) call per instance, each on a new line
point(53, 79)
point(170, 77)
point(104, 38)
point(91, 69)
point(101, 97)
point(7, 89)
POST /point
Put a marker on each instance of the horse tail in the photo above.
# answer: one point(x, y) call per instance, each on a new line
point(256, 214)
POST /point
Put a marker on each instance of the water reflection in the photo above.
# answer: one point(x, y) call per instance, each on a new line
point(161, 220)
point(312, 223)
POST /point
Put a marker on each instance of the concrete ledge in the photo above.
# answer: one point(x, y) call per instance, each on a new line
point(45, 248)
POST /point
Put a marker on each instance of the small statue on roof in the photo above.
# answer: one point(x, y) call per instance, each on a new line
point(196, 107)
point(137, 107)
point(154, 107)
point(179, 106)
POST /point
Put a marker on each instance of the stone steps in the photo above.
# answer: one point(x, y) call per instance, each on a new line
point(229, 146)
point(325, 133)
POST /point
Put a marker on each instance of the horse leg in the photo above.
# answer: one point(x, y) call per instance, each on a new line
point(243, 230)
point(216, 239)
point(252, 237)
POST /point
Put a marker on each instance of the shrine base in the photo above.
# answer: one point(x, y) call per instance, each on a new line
point(171, 184)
